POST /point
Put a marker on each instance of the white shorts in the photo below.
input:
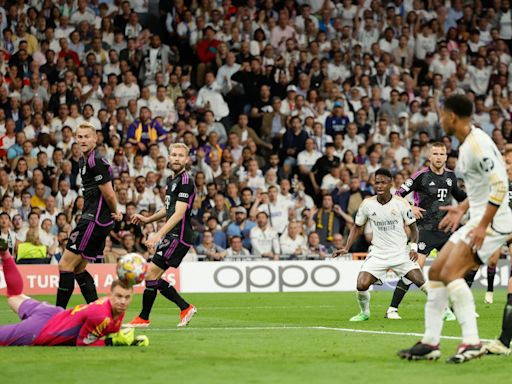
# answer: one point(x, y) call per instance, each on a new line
point(378, 267)
point(492, 241)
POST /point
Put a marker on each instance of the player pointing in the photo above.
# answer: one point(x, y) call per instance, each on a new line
point(96, 324)
point(488, 228)
point(87, 240)
point(388, 216)
point(173, 239)
point(433, 187)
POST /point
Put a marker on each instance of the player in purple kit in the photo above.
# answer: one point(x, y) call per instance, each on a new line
point(172, 241)
point(96, 324)
point(433, 187)
point(87, 240)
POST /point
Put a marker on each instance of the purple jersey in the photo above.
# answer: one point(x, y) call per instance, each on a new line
point(432, 191)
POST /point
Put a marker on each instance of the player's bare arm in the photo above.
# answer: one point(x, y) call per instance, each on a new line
point(413, 253)
point(454, 214)
point(110, 198)
point(177, 216)
point(138, 218)
point(355, 232)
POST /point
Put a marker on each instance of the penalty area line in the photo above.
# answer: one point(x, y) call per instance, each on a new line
point(312, 328)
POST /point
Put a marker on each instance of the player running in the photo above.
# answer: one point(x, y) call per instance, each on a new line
point(388, 214)
point(87, 240)
point(433, 187)
point(488, 228)
point(173, 239)
point(96, 324)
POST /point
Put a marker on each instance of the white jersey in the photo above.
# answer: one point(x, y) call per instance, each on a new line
point(485, 177)
point(387, 222)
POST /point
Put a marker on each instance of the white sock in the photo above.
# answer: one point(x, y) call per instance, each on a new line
point(464, 308)
point(437, 301)
point(363, 297)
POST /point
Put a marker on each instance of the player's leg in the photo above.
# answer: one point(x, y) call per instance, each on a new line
point(85, 282)
point(469, 277)
point(437, 301)
point(175, 254)
point(153, 275)
point(91, 251)
point(460, 261)
point(364, 281)
point(491, 273)
point(67, 265)
point(401, 289)
point(13, 280)
point(501, 346)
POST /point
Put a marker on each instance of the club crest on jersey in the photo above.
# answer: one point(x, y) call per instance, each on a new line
point(173, 187)
point(486, 164)
point(408, 182)
point(449, 182)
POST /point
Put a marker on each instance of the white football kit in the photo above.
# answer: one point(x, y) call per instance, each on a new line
point(389, 243)
point(485, 177)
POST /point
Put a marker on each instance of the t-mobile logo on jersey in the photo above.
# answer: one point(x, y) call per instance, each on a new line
point(441, 194)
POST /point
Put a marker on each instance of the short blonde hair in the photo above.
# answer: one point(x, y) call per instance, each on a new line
point(33, 236)
point(179, 145)
point(86, 125)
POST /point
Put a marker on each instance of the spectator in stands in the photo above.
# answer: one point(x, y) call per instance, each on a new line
point(315, 248)
point(264, 239)
point(145, 131)
point(292, 243)
point(331, 219)
point(208, 248)
point(236, 249)
point(32, 251)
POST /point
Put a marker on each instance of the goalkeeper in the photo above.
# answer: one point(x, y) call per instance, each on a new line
point(94, 324)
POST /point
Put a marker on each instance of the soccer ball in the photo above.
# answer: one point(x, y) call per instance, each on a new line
point(132, 268)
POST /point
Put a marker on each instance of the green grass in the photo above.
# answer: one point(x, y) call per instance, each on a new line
point(201, 354)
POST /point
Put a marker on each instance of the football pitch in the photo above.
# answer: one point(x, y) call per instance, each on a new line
point(265, 338)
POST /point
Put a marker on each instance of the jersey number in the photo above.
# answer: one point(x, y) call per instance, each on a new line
point(441, 194)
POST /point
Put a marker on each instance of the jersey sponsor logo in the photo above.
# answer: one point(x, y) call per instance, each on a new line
point(449, 182)
point(183, 195)
point(386, 225)
point(173, 187)
point(410, 216)
point(422, 246)
point(486, 164)
point(441, 194)
point(72, 246)
point(432, 183)
point(98, 178)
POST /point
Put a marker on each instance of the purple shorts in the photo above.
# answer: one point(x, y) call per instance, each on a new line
point(34, 315)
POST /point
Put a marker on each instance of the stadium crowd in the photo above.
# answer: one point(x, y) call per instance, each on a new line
point(288, 107)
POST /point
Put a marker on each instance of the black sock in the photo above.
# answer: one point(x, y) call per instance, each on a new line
point(148, 298)
point(170, 293)
point(491, 272)
point(506, 326)
point(65, 290)
point(470, 277)
point(400, 291)
point(87, 287)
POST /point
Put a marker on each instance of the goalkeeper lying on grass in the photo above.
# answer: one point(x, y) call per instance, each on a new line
point(94, 324)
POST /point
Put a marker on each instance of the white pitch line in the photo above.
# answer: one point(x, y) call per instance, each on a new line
point(314, 328)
